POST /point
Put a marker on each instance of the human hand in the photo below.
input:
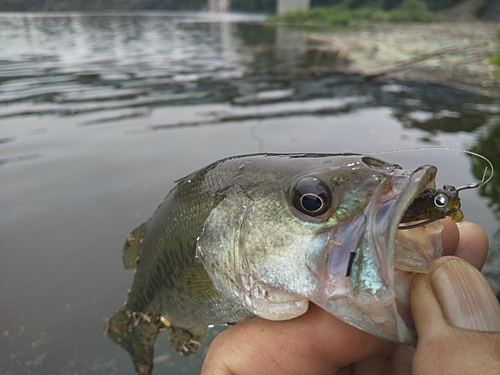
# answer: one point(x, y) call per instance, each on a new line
point(456, 313)
point(451, 305)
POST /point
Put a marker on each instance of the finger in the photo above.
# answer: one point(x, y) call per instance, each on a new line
point(450, 236)
point(464, 295)
point(373, 366)
point(466, 240)
point(449, 305)
point(314, 343)
point(473, 245)
point(401, 360)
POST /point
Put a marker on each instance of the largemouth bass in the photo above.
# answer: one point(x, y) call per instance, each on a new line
point(264, 235)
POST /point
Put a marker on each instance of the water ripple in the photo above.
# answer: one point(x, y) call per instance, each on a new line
point(102, 62)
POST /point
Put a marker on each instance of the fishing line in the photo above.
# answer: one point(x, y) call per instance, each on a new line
point(442, 192)
point(484, 179)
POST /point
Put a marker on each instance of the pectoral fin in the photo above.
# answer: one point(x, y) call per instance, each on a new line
point(132, 247)
point(197, 283)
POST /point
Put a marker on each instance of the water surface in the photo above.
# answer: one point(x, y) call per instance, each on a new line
point(101, 113)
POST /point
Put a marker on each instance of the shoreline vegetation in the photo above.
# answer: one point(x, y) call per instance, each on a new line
point(495, 59)
point(343, 14)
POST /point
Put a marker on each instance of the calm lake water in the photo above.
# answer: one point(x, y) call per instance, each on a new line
point(101, 113)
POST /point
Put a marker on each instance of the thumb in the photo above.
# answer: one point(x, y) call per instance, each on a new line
point(457, 318)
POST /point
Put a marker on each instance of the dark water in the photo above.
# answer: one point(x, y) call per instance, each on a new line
point(100, 113)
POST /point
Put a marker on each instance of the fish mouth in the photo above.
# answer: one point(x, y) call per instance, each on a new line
point(413, 249)
point(384, 292)
point(406, 252)
point(369, 288)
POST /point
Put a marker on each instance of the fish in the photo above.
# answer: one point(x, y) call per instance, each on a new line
point(266, 234)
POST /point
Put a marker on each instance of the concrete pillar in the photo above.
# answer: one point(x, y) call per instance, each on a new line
point(218, 6)
point(283, 6)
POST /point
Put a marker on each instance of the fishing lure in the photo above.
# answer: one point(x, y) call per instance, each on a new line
point(436, 204)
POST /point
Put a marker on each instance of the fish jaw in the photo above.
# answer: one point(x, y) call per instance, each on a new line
point(373, 293)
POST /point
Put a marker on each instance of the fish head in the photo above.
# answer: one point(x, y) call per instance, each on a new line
point(321, 229)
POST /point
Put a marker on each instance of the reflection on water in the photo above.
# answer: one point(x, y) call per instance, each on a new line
point(100, 113)
point(488, 144)
point(68, 65)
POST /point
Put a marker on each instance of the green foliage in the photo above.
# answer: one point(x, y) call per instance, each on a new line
point(495, 59)
point(413, 10)
point(408, 11)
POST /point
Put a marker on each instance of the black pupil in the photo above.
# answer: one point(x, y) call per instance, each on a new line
point(440, 200)
point(311, 202)
point(312, 196)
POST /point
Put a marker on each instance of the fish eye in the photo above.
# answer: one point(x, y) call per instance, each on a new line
point(440, 200)
point(312, 196)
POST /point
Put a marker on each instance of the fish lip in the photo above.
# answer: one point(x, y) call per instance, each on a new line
point(404, 266)
point(373, 281)
point(388, 208)
point(420, 179)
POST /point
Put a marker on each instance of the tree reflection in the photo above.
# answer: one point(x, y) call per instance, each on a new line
point(488, 145)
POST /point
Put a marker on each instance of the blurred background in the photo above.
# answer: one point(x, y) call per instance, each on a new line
point(101, 111)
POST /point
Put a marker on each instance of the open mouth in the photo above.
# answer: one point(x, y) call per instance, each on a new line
point(415, 248)
point(374, 293)
point(412, 249)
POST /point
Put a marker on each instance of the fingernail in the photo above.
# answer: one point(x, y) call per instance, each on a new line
point(466, 299)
